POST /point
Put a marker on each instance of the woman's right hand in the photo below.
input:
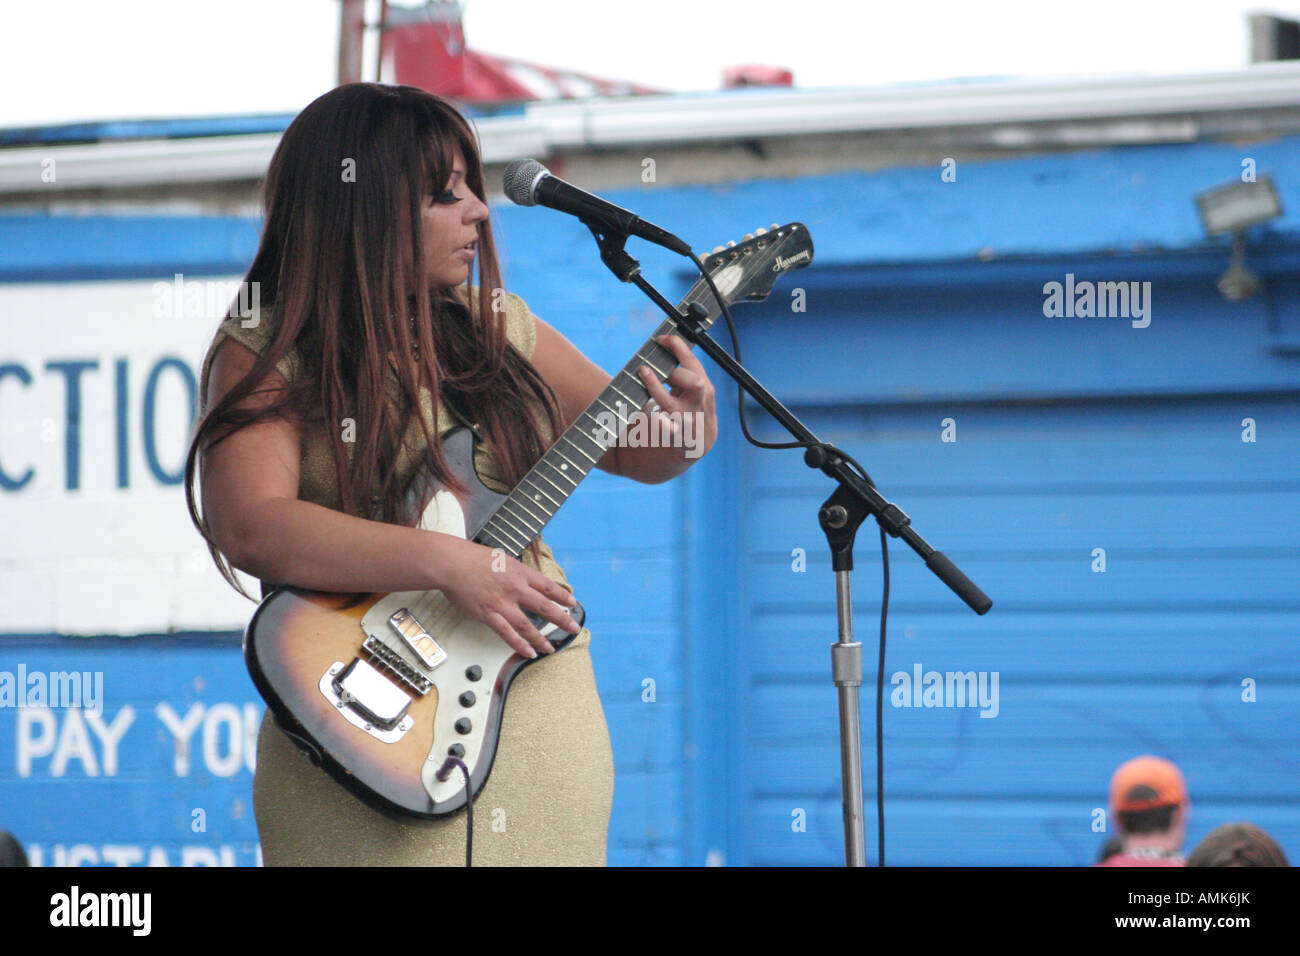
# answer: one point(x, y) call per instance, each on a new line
point(495, 589)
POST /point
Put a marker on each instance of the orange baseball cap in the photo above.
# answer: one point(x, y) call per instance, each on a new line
point(1146, 782)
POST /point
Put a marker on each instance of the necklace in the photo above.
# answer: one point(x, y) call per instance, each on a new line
point(415, 340)
point(1151, 853)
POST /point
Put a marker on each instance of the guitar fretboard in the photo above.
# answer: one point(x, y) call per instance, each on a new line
point(520, 518)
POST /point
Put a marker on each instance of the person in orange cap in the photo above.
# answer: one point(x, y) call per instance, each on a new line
point(1148, 799)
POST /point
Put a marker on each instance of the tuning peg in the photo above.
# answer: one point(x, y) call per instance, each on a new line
point(716, 250)
point(760, 231)
point(775, 226)
point(746, 237)
point(731, 243)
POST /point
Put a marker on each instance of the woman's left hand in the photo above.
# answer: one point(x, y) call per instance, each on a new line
point(689, 393)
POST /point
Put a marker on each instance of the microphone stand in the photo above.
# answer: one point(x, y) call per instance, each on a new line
point(840, 516)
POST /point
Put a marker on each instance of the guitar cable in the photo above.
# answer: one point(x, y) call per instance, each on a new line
point(443, 773)
point(829, 450)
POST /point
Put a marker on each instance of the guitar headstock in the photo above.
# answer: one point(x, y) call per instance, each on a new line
point(749, 269)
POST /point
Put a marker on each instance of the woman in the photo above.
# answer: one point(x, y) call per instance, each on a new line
point(324, 408)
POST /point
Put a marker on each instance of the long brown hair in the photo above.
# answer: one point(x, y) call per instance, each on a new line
point(339, 257)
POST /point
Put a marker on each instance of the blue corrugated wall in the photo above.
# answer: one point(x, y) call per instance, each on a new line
point(1069, 436)
point(1072, 434)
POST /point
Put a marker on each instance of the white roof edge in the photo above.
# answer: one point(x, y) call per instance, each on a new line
point(545, 127)
point(137, 163)
point(771, 113)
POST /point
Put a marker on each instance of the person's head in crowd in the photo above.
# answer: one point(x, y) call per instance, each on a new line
point(1149, 804)
point(11, 851)
point(1237, 844)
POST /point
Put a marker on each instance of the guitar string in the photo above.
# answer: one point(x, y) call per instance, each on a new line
point(638, 359)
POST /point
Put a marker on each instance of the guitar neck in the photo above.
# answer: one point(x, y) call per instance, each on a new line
point(520, 518)
point(744, 271)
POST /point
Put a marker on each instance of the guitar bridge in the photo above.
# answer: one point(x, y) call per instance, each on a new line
point(391, 662)
point(373, 693)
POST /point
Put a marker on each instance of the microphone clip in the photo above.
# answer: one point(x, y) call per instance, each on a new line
point(612, 253)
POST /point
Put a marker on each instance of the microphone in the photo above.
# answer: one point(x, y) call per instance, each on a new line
point(528, 183)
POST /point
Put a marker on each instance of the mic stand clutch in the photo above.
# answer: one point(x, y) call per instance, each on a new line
point(839, 516)
point(621, 264)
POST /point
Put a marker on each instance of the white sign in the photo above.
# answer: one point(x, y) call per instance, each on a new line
point(98, 385)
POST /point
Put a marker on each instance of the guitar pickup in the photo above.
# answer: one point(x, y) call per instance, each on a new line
point(417, 638)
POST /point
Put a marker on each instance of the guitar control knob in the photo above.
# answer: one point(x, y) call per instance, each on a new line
point(474, 672)
point(456, 750)
point(467, 699)
point(463, 726)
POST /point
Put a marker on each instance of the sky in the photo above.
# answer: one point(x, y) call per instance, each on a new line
point(69, 60)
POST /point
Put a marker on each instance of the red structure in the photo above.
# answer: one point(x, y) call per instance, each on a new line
point(753, 74)
point(425, 47)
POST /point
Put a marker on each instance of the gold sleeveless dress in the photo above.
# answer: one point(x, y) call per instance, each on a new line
point(547, 801)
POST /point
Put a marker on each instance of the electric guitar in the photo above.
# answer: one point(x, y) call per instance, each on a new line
point(380, 693)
